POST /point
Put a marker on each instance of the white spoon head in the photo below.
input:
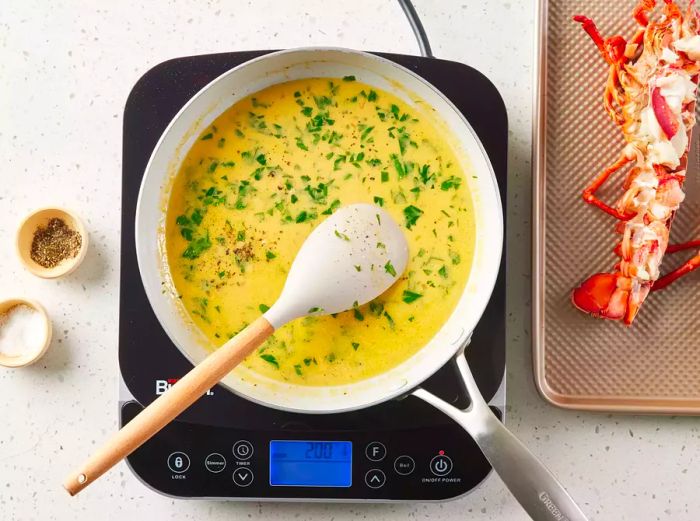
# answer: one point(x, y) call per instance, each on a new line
point(352, 257)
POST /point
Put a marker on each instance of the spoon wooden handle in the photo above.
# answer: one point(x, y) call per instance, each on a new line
point(164, 409)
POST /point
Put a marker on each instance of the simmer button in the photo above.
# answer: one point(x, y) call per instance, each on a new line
point(215, 463)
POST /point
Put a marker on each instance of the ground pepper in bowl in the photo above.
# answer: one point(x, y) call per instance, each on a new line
point(54, 243)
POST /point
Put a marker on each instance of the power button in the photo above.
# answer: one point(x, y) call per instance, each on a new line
point(441, 465)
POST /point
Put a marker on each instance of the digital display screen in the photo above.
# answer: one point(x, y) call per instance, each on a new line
point(295, 463)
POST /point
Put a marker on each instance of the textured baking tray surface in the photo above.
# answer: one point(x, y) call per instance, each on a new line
point(581, 362)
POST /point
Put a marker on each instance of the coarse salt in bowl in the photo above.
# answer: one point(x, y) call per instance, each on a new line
point(25, 332)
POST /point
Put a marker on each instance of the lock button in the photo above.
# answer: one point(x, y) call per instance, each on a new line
point(178, 462)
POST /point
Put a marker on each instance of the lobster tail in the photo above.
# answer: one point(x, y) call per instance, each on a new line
point(650, 94)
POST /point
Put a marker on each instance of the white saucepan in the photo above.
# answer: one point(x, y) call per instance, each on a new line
point(534, 487)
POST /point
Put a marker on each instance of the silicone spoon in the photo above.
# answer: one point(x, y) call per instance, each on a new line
point(323, 280)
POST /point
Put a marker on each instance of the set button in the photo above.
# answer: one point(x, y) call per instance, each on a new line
point(178, 462)
point(375, 451)
point(441, 465)
point(243, 450)
point(404, 465)
point(375, 478)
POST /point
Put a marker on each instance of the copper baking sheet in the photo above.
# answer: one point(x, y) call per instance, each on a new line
point(581, 362)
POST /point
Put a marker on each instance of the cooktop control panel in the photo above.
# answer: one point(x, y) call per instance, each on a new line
point(406, 464)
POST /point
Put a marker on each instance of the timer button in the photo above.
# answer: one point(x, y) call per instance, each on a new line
point(375, 451)
point(178, 462)
point(375, 478)
point(441, 465)
point(404, 465)
point(243, 476)
point(215, 463)
point(243, 449)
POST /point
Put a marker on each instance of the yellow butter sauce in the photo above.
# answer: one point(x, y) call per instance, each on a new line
point(267, 171)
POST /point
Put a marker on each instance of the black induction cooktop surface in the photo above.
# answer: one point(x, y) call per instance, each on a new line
point(226, 447)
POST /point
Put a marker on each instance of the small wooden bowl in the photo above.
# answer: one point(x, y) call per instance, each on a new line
point(29, 357)
point(25, 236)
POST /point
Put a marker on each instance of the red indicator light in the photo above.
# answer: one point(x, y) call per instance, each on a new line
point(441, 452)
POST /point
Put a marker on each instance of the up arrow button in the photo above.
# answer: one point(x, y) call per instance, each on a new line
point(375, 478)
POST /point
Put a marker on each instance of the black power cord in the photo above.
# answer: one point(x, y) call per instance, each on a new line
point(417, 26)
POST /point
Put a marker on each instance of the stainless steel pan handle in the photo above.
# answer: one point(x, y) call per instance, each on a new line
point(535, 487)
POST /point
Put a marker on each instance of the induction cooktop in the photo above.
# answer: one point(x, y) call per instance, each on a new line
point(224, 447)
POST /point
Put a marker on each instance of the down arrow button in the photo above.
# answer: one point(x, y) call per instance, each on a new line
point(243, 476)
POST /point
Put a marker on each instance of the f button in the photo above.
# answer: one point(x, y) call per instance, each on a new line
point(375, 451)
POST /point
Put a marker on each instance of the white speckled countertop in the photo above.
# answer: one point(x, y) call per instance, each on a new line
point(65, 73)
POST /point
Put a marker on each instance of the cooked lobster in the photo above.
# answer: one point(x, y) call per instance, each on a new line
point(650, 94)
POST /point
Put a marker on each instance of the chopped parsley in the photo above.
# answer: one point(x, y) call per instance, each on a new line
point(356, 312)
point(389, 319)
point(348, 78)
point(410, 296)
point(270, 359)
point(376, 308)
point(355, 346)
point(197, 247)
point(318, 193)
point(411, 213)
point(263, 308)
point(207, 136)
point(269, 255)
point(300, 144)
point(332, 208)
point(379, 201)
point(398, 166)
point(389, 268)
point(451, 182)
point(341, 235)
